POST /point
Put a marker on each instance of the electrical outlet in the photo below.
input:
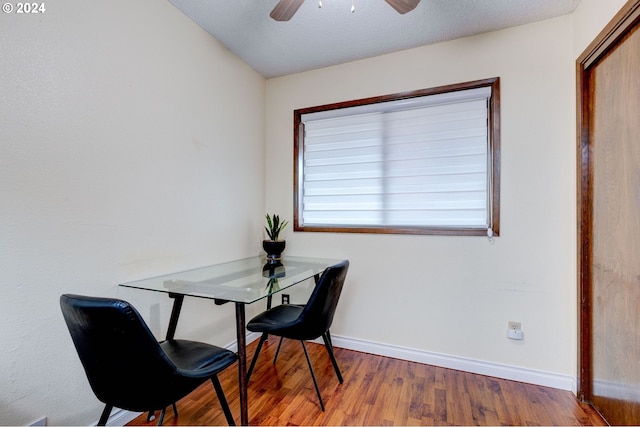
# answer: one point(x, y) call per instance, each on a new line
point(514, 330)
point(285, 298)
point(514, 326)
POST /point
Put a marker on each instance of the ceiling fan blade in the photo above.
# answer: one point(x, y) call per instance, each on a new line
point(285, 9)
point(403, 6)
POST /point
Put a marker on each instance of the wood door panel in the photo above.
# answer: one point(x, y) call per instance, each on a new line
point(615, 142)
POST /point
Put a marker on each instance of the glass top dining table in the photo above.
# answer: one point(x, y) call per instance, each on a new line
point(241, 282)
point(246, 281)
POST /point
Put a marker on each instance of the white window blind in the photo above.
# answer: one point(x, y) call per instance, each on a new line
point(419, 162)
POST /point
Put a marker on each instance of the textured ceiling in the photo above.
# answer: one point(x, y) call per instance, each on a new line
point(319, 37)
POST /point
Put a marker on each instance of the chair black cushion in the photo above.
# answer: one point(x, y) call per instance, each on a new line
point(279, 317)
point(195, 359)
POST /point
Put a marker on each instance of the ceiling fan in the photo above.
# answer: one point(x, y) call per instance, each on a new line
point(285, 9)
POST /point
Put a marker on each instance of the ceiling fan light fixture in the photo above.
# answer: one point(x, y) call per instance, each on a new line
point(403, 6)
point(285, 9)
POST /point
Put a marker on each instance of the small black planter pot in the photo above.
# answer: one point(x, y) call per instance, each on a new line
point(274, 249)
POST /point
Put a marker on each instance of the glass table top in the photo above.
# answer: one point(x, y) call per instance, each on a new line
point(245, 281)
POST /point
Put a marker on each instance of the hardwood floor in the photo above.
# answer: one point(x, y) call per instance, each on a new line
point(376, 391)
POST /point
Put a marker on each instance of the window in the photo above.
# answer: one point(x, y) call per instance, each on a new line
point(420, 162)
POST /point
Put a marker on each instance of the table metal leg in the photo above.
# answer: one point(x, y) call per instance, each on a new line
point(175, 314)
point(242, 363)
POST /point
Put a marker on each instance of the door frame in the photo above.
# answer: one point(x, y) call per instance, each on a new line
point(606, 41)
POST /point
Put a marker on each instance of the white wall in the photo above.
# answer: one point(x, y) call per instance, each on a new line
point(453, 296)
point(590, 17)
point(131, 144)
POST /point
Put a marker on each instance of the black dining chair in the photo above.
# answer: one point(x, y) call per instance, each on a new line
point(305, 322)
point(128, 368)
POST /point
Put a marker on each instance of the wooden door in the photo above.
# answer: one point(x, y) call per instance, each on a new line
point(609, 76)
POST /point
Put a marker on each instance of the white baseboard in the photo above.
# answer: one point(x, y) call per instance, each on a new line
point(515, 373)
point(507, 372)
point(120, 417)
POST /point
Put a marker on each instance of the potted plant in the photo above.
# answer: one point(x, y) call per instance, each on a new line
point(274, 246)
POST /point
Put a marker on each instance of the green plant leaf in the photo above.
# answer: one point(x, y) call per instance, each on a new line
point(274, 226)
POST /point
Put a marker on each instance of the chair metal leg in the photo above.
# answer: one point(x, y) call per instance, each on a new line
point(327, 343)
point(315, 383)
point(175, 410)
point(277, 350)
point(223, 400)
point(263, 338)
point(161, 416)
point(105, 415)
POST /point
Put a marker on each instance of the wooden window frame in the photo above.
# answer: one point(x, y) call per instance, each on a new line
point(493, 151)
